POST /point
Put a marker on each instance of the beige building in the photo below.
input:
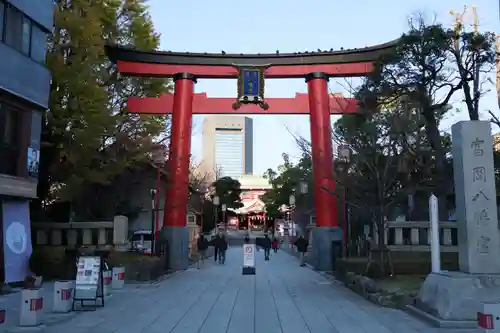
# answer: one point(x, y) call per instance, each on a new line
point(227, 146)
point(496, 142)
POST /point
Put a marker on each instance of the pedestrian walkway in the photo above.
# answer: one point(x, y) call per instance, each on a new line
point(281, 298)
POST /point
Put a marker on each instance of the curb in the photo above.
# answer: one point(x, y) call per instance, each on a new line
point(438, 322)
point(322, 273)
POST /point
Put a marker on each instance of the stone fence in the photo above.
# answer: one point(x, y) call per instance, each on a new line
point(414, 236)
point(75, 234)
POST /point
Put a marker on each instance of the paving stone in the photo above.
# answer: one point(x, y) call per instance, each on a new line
point(281, 298)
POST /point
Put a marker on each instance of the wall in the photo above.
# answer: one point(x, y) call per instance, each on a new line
point(141, 197)
point(19, 74)
point(23, 77)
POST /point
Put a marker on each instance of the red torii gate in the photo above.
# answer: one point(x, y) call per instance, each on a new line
point(186, 68)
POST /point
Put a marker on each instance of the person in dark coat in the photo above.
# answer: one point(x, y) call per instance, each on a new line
point(222, 248)
point(214, 242)
point(247, 239)
point(202, 246)
point(266, 244)
point(301, 243)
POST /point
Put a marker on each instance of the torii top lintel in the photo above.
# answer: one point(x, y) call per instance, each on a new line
point(342, 63)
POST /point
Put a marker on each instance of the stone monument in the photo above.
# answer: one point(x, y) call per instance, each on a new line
point(453, 298)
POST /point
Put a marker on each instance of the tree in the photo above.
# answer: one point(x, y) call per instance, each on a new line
point(417, 70)
point(429, 65)
point(389, 160)
point(228, 190)
point(473, 54)
point(198, 198)
point(285, 181)
point(86, 139)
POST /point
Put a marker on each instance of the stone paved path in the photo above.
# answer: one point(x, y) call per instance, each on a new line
point(281, 298)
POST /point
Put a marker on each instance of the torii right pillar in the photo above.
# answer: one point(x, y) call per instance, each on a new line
point(327, 236)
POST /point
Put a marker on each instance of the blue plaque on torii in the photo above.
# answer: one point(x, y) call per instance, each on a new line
point(251, 86)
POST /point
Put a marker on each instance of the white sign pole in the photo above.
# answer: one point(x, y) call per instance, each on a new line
point(434, 222)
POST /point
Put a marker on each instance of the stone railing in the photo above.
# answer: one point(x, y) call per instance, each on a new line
point(75, 234)
point(414, 236)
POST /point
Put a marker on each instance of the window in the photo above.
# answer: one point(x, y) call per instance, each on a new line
point(9, 146)
point(20, 32)
point(2, 15)
point(14, 28)
point(38, 43)
point(26, 41)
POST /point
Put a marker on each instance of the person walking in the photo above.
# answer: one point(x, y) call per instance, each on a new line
point(222, 245)
point(202, 246)
point(276, 245)
point(214, 242)
point(301, 243)
point(266, 244)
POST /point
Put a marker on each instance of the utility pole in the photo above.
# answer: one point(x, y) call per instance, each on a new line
point(497, 81)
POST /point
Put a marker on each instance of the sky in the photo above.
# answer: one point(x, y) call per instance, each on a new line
point(264, 26)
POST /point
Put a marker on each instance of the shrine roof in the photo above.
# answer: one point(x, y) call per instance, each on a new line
point(366, 54)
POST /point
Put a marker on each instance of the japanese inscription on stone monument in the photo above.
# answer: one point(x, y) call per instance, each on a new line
point(479, 200)
point(478, 237)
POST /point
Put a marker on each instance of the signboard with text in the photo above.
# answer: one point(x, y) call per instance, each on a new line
point(249, 255)
point(89, 286)
point(88, 271)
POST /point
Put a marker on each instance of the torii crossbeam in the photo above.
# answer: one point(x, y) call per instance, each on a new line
point(202, 104)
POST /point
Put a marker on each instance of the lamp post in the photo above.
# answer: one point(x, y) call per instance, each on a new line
point(343, 162)
point(224, 208)
point(216, 201)
point(159, 156)
point(291, 202)
point(154, 212)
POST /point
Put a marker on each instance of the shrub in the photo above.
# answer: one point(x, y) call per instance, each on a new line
point(138, 267)
point(37, 262)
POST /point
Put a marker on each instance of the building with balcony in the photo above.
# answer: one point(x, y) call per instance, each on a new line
point(24, 96)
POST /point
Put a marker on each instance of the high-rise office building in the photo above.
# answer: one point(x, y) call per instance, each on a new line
point(227, 146)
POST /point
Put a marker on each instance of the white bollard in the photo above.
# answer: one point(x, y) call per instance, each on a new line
point(106, 281)
point(118, 280)
point(63, 296)
point(435, 247)
point(487, 317)
point(31, 307)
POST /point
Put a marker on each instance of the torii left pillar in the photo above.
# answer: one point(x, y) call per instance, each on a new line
point(174, 229)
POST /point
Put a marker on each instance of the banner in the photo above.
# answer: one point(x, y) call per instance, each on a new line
point(34, 146)
point(17, 240)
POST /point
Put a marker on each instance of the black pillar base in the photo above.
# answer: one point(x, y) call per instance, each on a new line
point(177, 239)
point(326, 241)
point(248, 270)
